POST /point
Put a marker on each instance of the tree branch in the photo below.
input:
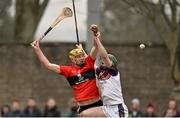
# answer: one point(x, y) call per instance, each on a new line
point(150, 13)
point(167, 20)
point(44, 4)
point(138, 9)
point(177, 3)
point(174, 15)
point(42, 9)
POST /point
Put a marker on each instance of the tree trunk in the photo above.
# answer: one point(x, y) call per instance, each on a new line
point(176, 69)
point(6, 21)
point(175, 60)
point(28, 15)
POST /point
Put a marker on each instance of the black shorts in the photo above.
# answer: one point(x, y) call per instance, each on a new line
point(82, 108)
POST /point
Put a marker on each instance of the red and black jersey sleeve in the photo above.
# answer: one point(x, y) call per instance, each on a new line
point(65, 70)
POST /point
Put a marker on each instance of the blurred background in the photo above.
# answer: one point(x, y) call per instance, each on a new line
point(143, 34)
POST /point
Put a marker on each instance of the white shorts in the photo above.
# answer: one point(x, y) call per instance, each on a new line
point(115, 110)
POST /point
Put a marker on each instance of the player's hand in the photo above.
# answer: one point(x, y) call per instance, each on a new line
point(35, 44)
point(94, 29)
point(79, 46)
point(98, 35)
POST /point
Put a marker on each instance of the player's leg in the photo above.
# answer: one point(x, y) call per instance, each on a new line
point(93, 112)
point(125, 111)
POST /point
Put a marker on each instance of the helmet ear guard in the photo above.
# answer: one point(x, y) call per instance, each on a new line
point(74, 53)
point(113, 59)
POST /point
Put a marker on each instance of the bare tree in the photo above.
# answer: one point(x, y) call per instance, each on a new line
point(28, 15)
point(165, 17)
point(6, 21)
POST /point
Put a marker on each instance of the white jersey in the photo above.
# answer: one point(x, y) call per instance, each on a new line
point(110, 89)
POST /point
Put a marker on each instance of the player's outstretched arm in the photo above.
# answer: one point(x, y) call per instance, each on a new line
point(44, 61)
point(94, 50)
point(102, 51)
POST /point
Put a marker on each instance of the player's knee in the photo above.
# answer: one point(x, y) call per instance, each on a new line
point(84, 114)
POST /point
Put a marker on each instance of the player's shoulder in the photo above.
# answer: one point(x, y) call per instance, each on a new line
point(66, 66)
point(89, 58)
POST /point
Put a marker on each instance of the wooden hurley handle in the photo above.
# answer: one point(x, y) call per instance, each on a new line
point(65, 13)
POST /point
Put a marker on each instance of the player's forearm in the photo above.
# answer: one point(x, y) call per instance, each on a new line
point(84, 53)
point(44, 61)
point(94, 52)
point(94, 44)
point(94, 49)
point(102, 51)
point(103, 54)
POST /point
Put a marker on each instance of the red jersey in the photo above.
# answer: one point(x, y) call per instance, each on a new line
point(82, 80)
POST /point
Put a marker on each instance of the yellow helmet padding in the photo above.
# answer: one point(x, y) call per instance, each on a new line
point(75, 52)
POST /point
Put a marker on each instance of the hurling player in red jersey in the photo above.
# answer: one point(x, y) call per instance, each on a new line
point(80, 75)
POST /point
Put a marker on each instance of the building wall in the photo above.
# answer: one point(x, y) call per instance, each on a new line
point(144, 74)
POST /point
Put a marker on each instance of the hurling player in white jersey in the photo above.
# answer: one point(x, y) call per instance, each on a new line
point(108, 82)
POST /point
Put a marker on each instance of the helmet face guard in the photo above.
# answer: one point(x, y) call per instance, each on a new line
point(73, 54)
